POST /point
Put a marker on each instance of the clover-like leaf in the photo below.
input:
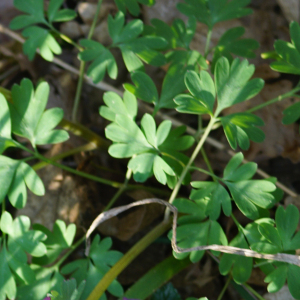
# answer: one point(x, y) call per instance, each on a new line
point(211, 12)
point(95, 266)
point(69, 290)
point(179, 35)
point(232, 43)
point(135, 49)
point(132, 5)
point(116, 106)
point(56, 15)
point(240, 266)
point(232, 82)
point(165, 293)
point(203, 94)
point(28, 117)
point(217, 197)
point(17, 175)
point(60, 238)
point(198, 234)
point(240, 128)
point(102, 59)
point(289, 53)
point(13, 259)
point(149, 147)
point(145, 89)
point(248, 194)
point(34, 10)
point(42, 39)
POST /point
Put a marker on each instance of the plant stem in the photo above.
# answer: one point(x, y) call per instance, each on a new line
point(127, 259)
point(224, 288)
point(120, 190)
point(208, 164)
point(82, 66)
point(208, 39)
point(206, 172)
point(277, 99)
point(191, 160)
point(254, 292)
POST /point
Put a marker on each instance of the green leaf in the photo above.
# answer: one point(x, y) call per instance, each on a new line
point(291, 114)
point(212, 12)
point(293, 280)
point(56, 15)
point(198, 234)
point(144, 88)
point(132, 5)
point(178, 35)
point(28, 117)
point(232, 82)
point(117, 106)
point(232, 43)
point(217, 195)
point(34, 10)
point(203, 92)
point(60, 238)
point(248, 194)
point(102, 59)
point(147, 145)
point(69, 290)
point(240, 266)
point(286, 223)
point(7, 282)
point(239, 128)
point(42, 39)
point(288, 52)
point(135, 49)
point(93, 268)
point(5, 126)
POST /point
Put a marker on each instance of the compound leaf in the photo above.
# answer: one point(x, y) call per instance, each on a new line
point(28, 117)
point(240, 266)
point(239, 128)
point(56, 15)
point(232, 82)
point(232, 43)
point(102, 59)
point(214, 11)
point(42, 39)
point(117, 106)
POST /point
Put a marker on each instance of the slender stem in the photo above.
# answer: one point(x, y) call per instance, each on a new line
point(127, 259)
point(191, 160)
point(120, 190)
point(224, 288)
point(208, 164)
point(73, 247)
point(277, 99)
point(82, 66)
point(237, 223)
point(208, 39)
point(205, 172)
point(254, 292)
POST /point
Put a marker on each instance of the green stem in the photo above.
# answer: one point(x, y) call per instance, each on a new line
point(120, 190)
point(191, 160)
point(127, 259)
point(237, 223)
point(208, 39)
point(82, 66)
point(208, 165)
point(206, 172)
point(277, 99)
point(254, 292)
point(225, 288)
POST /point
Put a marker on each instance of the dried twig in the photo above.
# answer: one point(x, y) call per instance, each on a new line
point(283, 257)
point(107, 87)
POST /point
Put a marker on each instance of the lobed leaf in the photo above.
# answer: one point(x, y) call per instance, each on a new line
point(212, 12)
point(28, 117)
point(132, 5)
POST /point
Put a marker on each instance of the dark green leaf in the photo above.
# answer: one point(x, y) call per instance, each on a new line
point(232, 82)
point(241, 266)
point(212, 12)
point(167, 292)
point(291, 114)
point(132, 5)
